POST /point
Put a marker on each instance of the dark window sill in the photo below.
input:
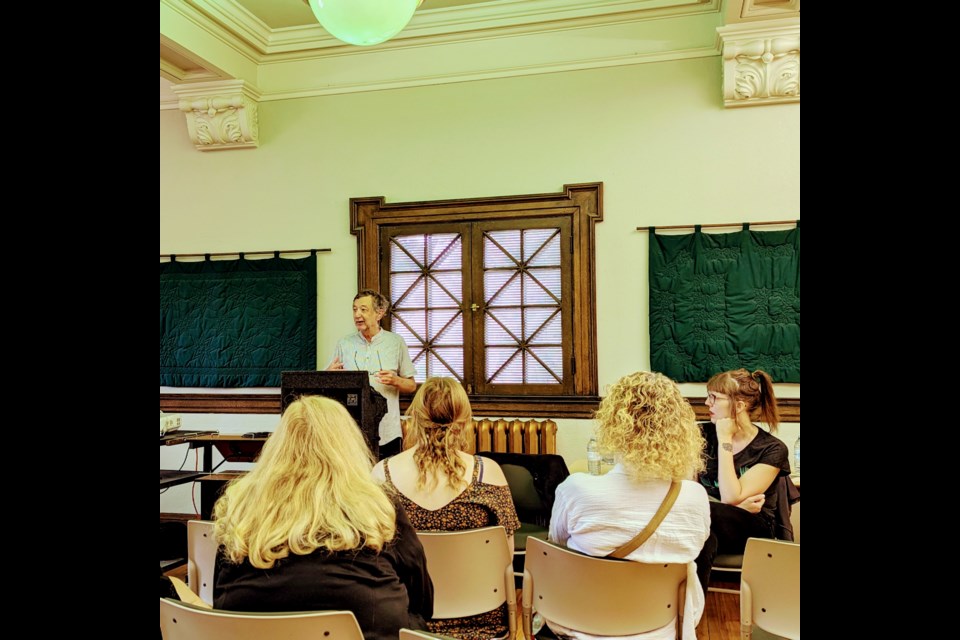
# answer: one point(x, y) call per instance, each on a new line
point(483, 406)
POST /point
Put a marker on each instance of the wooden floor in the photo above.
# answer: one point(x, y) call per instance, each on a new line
point(721, 619)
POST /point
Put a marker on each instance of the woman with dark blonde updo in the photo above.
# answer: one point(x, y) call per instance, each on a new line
point(744, 462)
point(443, 488)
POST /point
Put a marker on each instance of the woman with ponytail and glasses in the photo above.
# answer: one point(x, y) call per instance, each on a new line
point(743, 463)
point(443, 488)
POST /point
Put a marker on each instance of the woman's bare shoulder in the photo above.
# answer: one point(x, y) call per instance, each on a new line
point(398, 464)
point(492, 473)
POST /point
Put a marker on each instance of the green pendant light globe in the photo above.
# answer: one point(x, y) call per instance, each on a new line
point(363, 22)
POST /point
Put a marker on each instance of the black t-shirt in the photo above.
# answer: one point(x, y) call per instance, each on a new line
point(385, 591)
point(763, 449)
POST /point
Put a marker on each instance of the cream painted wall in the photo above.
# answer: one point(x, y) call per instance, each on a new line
point(656, 135)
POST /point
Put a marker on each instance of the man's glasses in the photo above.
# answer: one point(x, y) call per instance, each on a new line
point(356, 363)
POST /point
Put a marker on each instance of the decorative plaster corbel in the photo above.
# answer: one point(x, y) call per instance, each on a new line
point(761, 62)
point(221, 114)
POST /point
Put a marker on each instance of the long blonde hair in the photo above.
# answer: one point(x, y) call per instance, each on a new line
point(646, 420)
point(439, 412)
point(310, 489)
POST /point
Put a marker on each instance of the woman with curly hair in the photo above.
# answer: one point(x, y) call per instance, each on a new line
point(444, 488)
point(308, 529)
point(652, 431)
point(744, 462)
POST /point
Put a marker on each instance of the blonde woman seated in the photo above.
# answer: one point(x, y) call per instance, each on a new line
point(651, 429)
point(308, 529)
point(444, 488)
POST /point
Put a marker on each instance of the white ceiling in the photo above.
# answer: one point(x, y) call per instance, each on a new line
point(278, 48)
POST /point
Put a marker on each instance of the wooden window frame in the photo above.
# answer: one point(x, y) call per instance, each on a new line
point(581, 204)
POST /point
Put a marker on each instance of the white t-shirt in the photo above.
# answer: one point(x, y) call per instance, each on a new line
point(597, 514)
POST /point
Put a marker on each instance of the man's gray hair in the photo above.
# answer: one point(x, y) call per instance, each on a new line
point(380, 302)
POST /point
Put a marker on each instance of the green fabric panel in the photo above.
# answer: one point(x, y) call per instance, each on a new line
point(237, 323)
point(723, 301)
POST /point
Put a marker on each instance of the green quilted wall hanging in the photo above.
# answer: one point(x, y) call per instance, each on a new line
point(721, 301)
point(237, 323)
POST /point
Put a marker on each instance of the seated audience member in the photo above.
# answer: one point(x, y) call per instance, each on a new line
point(743, 463)
point(652, 431)
point(309, 529)
point(443, 488)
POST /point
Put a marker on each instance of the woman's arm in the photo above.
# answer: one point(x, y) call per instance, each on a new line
point(733, 489)
point(753, 504)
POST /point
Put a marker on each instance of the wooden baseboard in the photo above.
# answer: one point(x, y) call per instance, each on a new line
point(178, 517)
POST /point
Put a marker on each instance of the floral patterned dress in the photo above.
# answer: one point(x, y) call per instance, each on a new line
point(478, 505)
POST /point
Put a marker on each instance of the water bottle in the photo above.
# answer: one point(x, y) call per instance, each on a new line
point(796, 457)
point(593, 457)
point(537, 624)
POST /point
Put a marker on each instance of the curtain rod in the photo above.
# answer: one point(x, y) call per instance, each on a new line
point(720, 224)
point(243, 254)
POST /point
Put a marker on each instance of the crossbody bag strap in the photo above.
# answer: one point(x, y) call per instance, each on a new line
point(186, 595)
point(648, 530)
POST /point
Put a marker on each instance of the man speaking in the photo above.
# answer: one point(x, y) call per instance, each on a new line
point(385, 356)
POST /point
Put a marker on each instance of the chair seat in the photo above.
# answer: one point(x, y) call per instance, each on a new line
point(729, 561)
